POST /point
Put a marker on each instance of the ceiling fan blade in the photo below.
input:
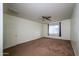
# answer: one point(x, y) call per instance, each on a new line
point(46, 18)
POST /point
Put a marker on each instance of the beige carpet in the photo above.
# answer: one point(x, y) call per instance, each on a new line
point(42, 47)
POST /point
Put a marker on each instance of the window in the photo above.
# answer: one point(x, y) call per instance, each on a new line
point(55, 29)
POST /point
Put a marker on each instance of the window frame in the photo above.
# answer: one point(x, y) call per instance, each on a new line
point(59, 34)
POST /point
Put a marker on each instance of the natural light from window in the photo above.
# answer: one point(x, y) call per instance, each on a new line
point(53, 29)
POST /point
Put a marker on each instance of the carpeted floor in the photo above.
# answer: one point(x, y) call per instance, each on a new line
point(42, 47)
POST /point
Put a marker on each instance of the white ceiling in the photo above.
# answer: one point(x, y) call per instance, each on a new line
point(34, 11)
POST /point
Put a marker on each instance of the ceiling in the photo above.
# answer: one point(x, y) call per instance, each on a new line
point(34, 11)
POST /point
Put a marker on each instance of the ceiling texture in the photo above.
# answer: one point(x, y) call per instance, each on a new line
point(34, 11)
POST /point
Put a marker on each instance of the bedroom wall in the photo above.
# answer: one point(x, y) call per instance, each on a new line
point(18, 30)
point(1, 30)
point(44, 30)
point(65, 30)
point(75, 30)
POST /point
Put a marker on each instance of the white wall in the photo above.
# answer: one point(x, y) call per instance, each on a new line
point(75, 30)
point(44, 30)
point(1, 30)
point(18, 30)
point(65, 30)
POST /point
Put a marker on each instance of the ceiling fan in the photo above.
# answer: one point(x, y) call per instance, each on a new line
point(46, 18)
